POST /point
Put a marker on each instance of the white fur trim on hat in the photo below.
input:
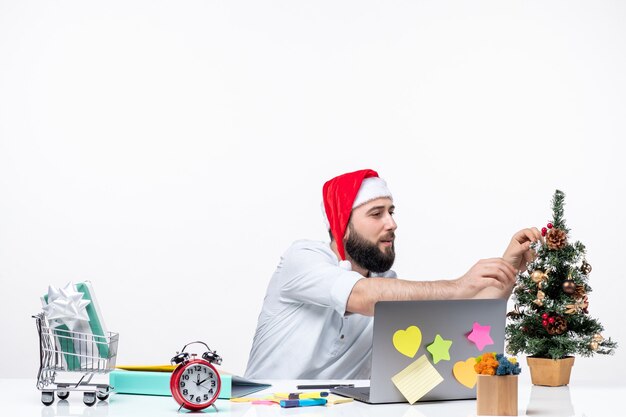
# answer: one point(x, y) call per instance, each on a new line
point(371, 189)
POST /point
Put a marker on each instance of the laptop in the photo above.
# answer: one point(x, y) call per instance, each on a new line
point(452, 320)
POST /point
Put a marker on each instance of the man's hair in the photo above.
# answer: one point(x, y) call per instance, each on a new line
point(330, 233)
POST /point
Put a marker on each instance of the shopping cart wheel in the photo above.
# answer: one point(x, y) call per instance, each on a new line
point(62, 393)
point(89, 398)
point(103, 392)
point(102, 395)
point(47, 397)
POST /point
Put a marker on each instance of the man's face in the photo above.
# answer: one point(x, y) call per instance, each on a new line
point(370, 237)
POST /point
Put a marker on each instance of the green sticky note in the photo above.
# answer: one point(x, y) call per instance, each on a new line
point(440, 349)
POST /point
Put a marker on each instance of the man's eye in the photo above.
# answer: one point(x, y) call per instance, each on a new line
point(376, 214)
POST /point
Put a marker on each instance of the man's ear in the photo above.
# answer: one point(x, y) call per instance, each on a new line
point(346, 234)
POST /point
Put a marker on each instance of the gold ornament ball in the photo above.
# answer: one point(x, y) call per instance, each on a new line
point(598, 338)
point(594, 345)
point(569, 287)
point(538, 276)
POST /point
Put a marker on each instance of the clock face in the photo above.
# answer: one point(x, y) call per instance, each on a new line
point(198, 384)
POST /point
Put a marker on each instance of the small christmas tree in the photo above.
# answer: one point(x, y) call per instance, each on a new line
point(551, 316)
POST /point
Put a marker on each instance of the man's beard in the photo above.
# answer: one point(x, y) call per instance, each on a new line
point(367, 254)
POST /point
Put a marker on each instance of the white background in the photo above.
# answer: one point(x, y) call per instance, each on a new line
point(171, 151)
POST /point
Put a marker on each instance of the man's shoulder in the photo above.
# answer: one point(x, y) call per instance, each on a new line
point(306, 251)
point(306, 255)
point(312, 246)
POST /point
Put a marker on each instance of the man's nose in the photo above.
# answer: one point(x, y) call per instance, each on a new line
point(390, 223)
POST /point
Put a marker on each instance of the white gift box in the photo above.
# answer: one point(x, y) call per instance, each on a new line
point(77, 325)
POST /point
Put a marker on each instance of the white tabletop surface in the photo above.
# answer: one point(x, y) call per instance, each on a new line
point(19, 397)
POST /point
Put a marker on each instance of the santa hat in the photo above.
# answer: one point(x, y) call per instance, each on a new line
point(344, 193)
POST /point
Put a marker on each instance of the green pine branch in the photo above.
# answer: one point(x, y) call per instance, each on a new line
point(558, 201)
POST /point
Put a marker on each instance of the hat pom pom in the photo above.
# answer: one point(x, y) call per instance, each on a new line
point(345, 265)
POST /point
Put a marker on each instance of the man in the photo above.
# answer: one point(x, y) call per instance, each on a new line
point(316, 318)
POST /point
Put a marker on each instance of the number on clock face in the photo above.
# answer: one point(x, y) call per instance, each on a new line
point(198, 384)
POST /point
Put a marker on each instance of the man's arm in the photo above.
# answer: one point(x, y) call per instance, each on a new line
point(495, 292)
point(518, 254)
point(486, 273)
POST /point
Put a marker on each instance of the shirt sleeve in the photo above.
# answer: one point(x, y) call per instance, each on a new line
point(311, 275)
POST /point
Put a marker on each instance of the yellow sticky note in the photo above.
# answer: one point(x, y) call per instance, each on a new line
point(408, 341)
point(333, 399)
point(417, 379)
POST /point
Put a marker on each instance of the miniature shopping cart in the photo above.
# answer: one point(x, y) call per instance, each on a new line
point(67, 356)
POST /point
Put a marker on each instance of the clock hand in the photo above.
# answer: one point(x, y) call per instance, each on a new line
point(201, 385)
point(200, 382)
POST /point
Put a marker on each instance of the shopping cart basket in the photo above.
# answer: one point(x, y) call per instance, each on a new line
point(74, 356)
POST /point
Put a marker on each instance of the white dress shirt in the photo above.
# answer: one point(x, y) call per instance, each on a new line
point(303, 331)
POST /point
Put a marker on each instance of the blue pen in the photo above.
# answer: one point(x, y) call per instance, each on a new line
point(306, 402)
point(303, 395)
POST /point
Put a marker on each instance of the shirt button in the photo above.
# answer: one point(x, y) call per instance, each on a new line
point(341, 337)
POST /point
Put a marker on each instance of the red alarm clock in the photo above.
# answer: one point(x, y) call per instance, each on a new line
point(195, 383)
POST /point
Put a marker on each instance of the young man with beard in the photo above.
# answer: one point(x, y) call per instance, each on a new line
point(316, 318)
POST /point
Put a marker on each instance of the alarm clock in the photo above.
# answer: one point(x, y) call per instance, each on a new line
point(195, 383)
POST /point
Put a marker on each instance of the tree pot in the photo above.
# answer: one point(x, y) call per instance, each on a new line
point(496, 395)
point(550, 372)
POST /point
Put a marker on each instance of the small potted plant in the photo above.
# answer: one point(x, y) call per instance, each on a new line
point(551, 321)
point(496, 390)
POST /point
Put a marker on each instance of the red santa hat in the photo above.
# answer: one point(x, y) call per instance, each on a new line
point(344, 193)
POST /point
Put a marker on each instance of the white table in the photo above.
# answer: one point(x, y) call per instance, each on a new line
point(19, 397)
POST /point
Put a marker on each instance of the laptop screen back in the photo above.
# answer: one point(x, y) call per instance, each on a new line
point(453, 321)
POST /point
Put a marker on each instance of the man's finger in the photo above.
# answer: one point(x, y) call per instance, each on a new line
point(536, 232)
point(492, 282)
point(502, 274)
point(499, 262)
point(507, 266)
point(491, 261)
point(529, 236)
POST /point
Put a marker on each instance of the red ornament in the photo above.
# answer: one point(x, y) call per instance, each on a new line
point(544, 316)
point(544, 231)
point(551, 320)
point(549, 225)
point(545, 323)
